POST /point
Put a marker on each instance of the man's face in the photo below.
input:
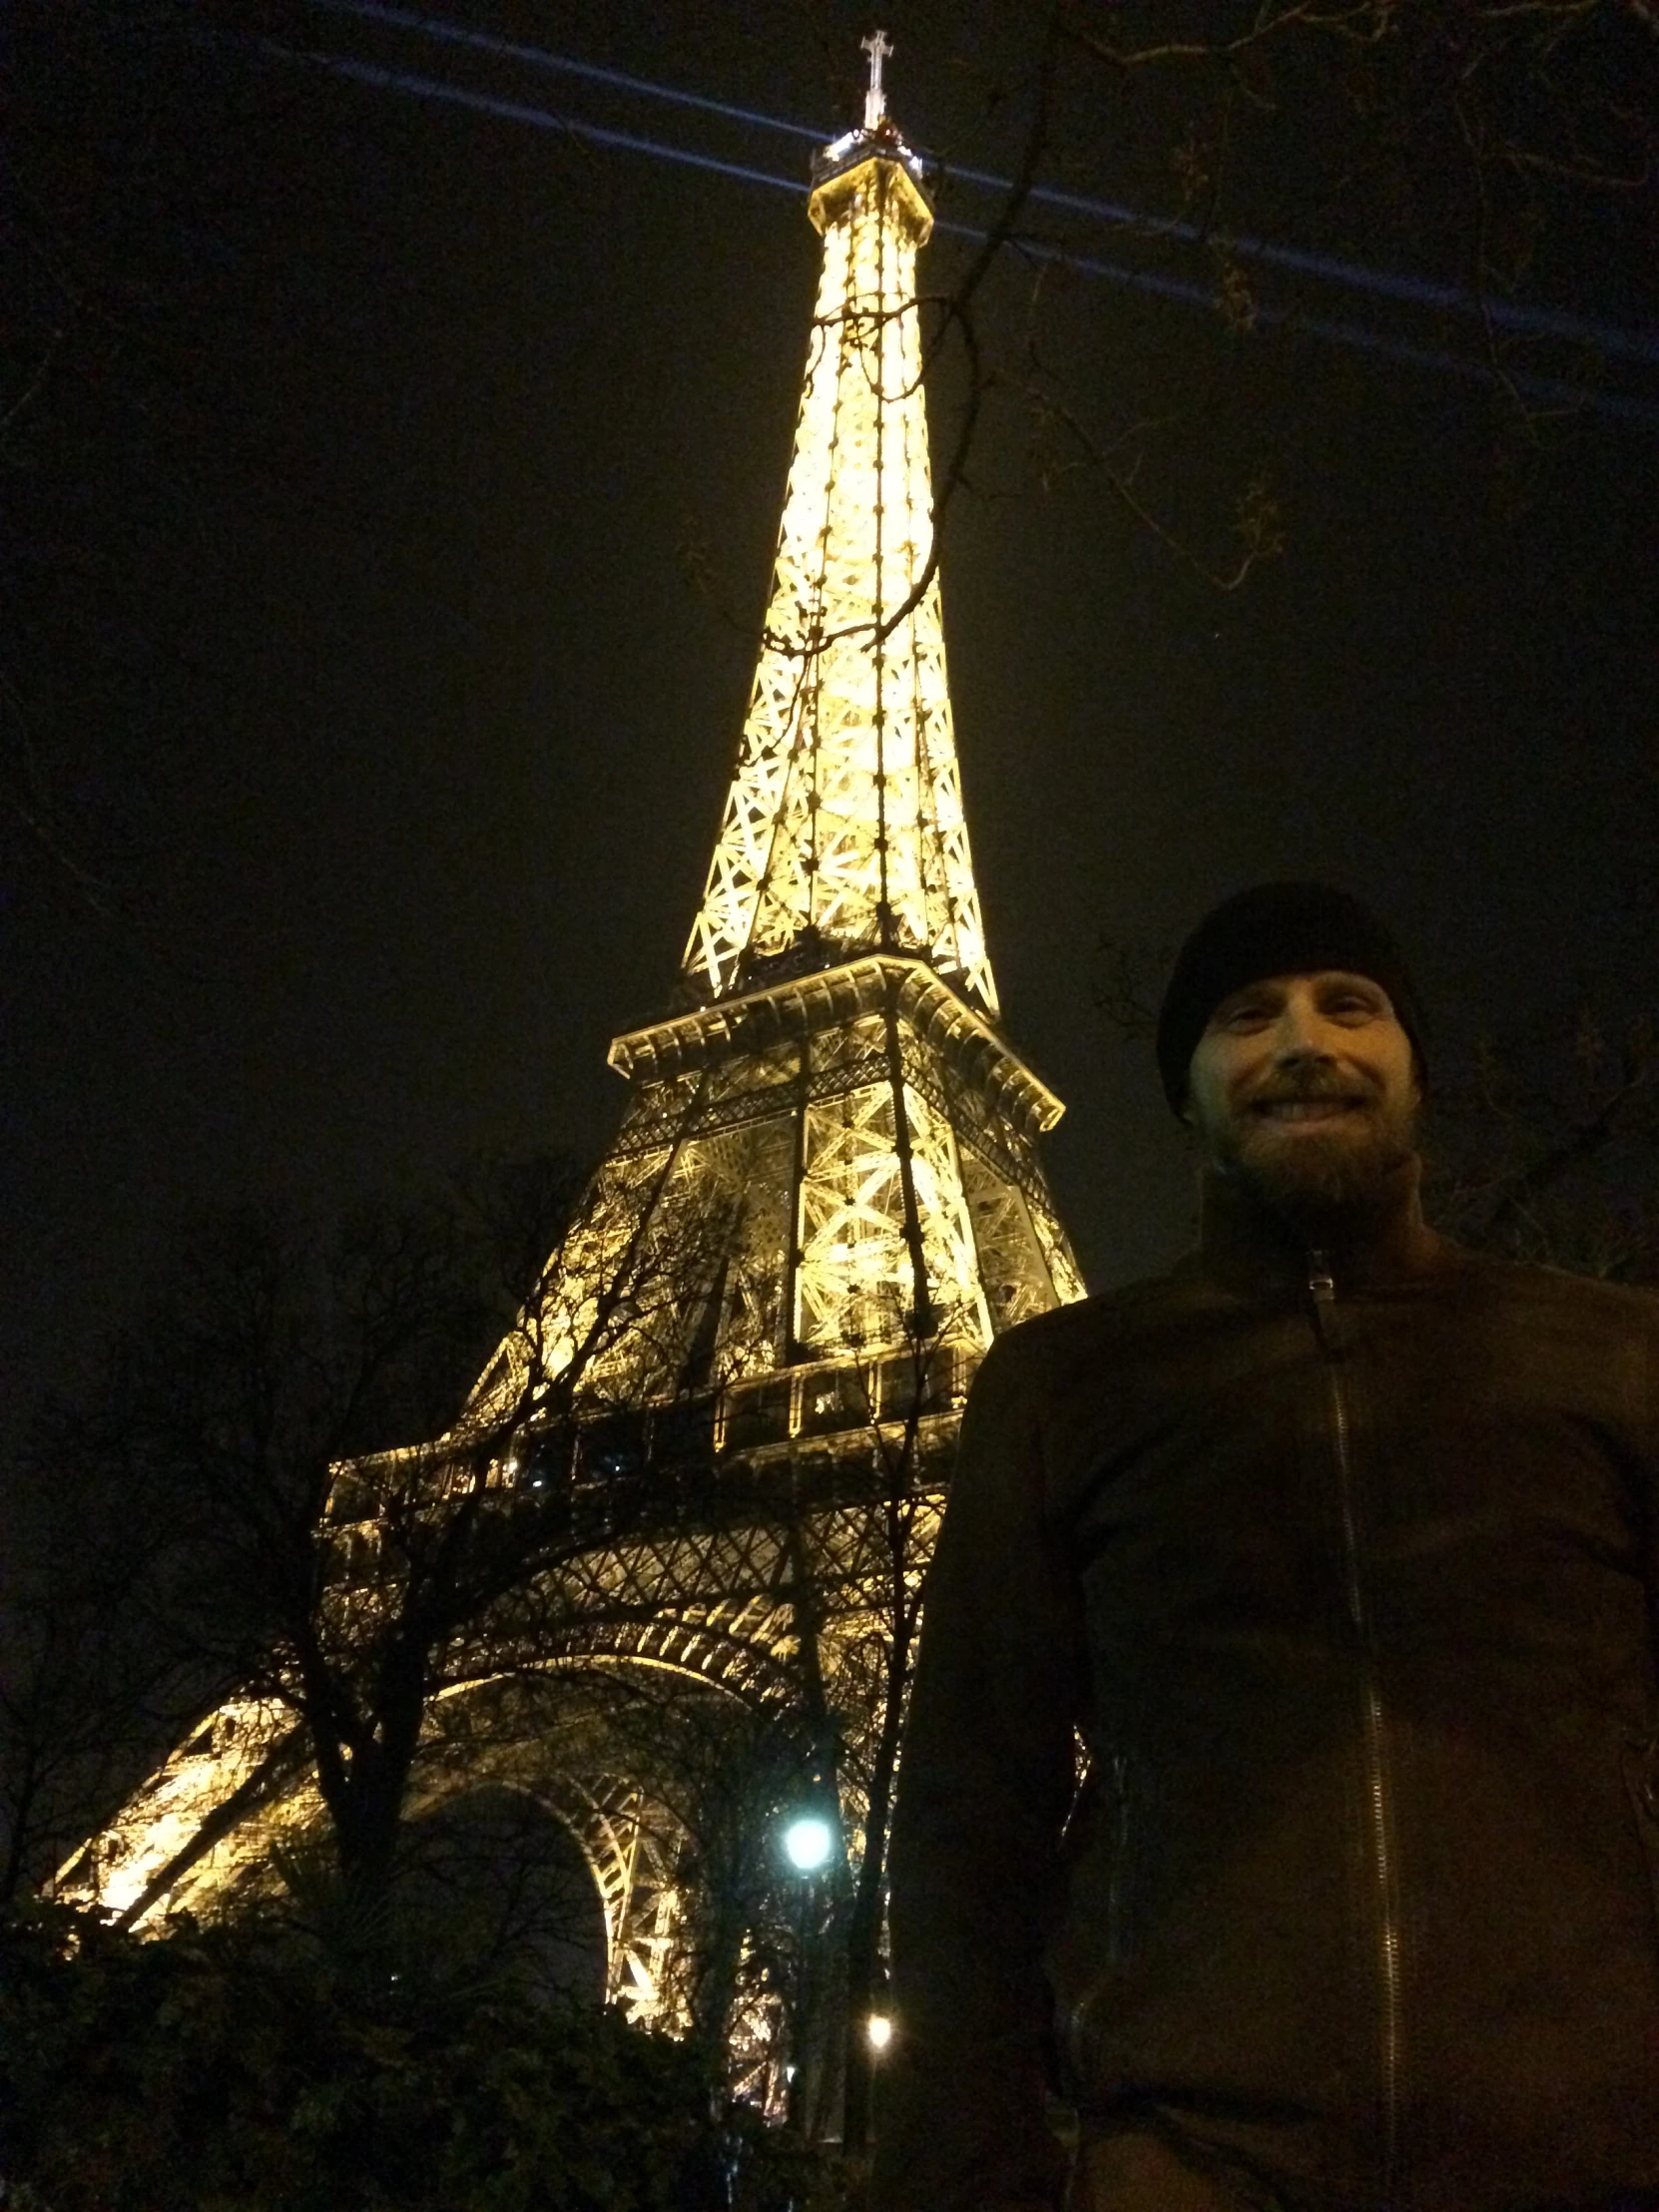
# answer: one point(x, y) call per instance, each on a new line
point(1303, 1087)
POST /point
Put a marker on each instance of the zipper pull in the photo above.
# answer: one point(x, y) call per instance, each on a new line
point(1322, 1283)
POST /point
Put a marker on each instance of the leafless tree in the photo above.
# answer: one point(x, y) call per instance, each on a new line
point(1553, 1153)
point(1286, 155)
point(302, 1552)
point(910, 1461)
point(273, 1357)
point(83, 1690)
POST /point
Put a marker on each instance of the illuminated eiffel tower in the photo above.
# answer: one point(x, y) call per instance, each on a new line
point(825, 1197)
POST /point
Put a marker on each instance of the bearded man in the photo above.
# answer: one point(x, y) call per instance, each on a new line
point(1336, 1551)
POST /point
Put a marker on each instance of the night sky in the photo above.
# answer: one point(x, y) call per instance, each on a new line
point(389, 509)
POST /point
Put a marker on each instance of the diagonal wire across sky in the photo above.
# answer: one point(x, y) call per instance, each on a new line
point(1421, 291)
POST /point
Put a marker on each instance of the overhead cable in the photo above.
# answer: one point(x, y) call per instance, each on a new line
point(1424, 291)
point(1548, 390)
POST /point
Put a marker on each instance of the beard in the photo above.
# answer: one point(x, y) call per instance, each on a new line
point(1320, 1177)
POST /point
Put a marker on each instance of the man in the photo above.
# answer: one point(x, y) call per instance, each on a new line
point(1337, 1550)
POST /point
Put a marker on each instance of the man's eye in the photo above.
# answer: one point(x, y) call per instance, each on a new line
point(1250, 1015)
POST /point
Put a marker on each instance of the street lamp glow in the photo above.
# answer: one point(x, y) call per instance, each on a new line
point(879, 2028)
point(807, 1841)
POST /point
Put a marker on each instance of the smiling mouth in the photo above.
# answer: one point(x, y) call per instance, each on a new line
point(1283, 1111)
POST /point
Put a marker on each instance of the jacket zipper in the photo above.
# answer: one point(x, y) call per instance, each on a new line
point(1378, 1812)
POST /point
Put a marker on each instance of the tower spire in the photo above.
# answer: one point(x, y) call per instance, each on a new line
point(844, 830)
point(877, 46)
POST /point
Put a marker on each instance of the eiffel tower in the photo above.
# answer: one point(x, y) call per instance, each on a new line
point(824, 1200)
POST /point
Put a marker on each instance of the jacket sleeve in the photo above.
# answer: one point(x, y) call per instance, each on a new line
point(985, 1785)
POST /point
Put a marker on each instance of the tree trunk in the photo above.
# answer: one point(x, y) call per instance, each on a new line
point(18, 1840)
point(365, 1784)
point(863, 1935)
point(717, 1974)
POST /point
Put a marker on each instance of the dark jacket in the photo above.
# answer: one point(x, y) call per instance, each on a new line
point(1343, 1566)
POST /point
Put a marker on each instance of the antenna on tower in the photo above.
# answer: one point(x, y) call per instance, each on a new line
point(877, 46)
point(874, 139)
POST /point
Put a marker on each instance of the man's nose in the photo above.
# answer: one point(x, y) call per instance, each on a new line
point(1299, 1034)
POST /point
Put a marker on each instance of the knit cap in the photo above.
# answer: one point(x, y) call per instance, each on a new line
point(1276, 930)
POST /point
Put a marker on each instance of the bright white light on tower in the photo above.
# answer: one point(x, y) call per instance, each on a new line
point(879, 2030)
point(807, 1841)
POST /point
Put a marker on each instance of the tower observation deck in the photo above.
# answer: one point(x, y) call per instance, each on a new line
point(823, 1202)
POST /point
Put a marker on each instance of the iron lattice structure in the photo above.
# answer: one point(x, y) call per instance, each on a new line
point(823, 1200)
point(845, 825)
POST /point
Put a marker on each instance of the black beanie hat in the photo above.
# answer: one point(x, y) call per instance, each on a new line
point(1276, 930)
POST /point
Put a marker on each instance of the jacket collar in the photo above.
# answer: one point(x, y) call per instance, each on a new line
point(1247, 1246)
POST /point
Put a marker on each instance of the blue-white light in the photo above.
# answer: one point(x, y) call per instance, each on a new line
point(807, 1841)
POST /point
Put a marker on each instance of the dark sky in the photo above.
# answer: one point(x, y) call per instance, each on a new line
point(354, 661)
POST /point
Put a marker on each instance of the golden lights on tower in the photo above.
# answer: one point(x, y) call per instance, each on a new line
point(824, 1198)
point(844, 827)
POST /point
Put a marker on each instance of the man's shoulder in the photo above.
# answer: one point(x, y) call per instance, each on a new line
point(1597, 1299)
point(1093, 1329)
point(1089, 1327)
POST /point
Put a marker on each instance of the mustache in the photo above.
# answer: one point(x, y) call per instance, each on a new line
point(1316, 1084)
